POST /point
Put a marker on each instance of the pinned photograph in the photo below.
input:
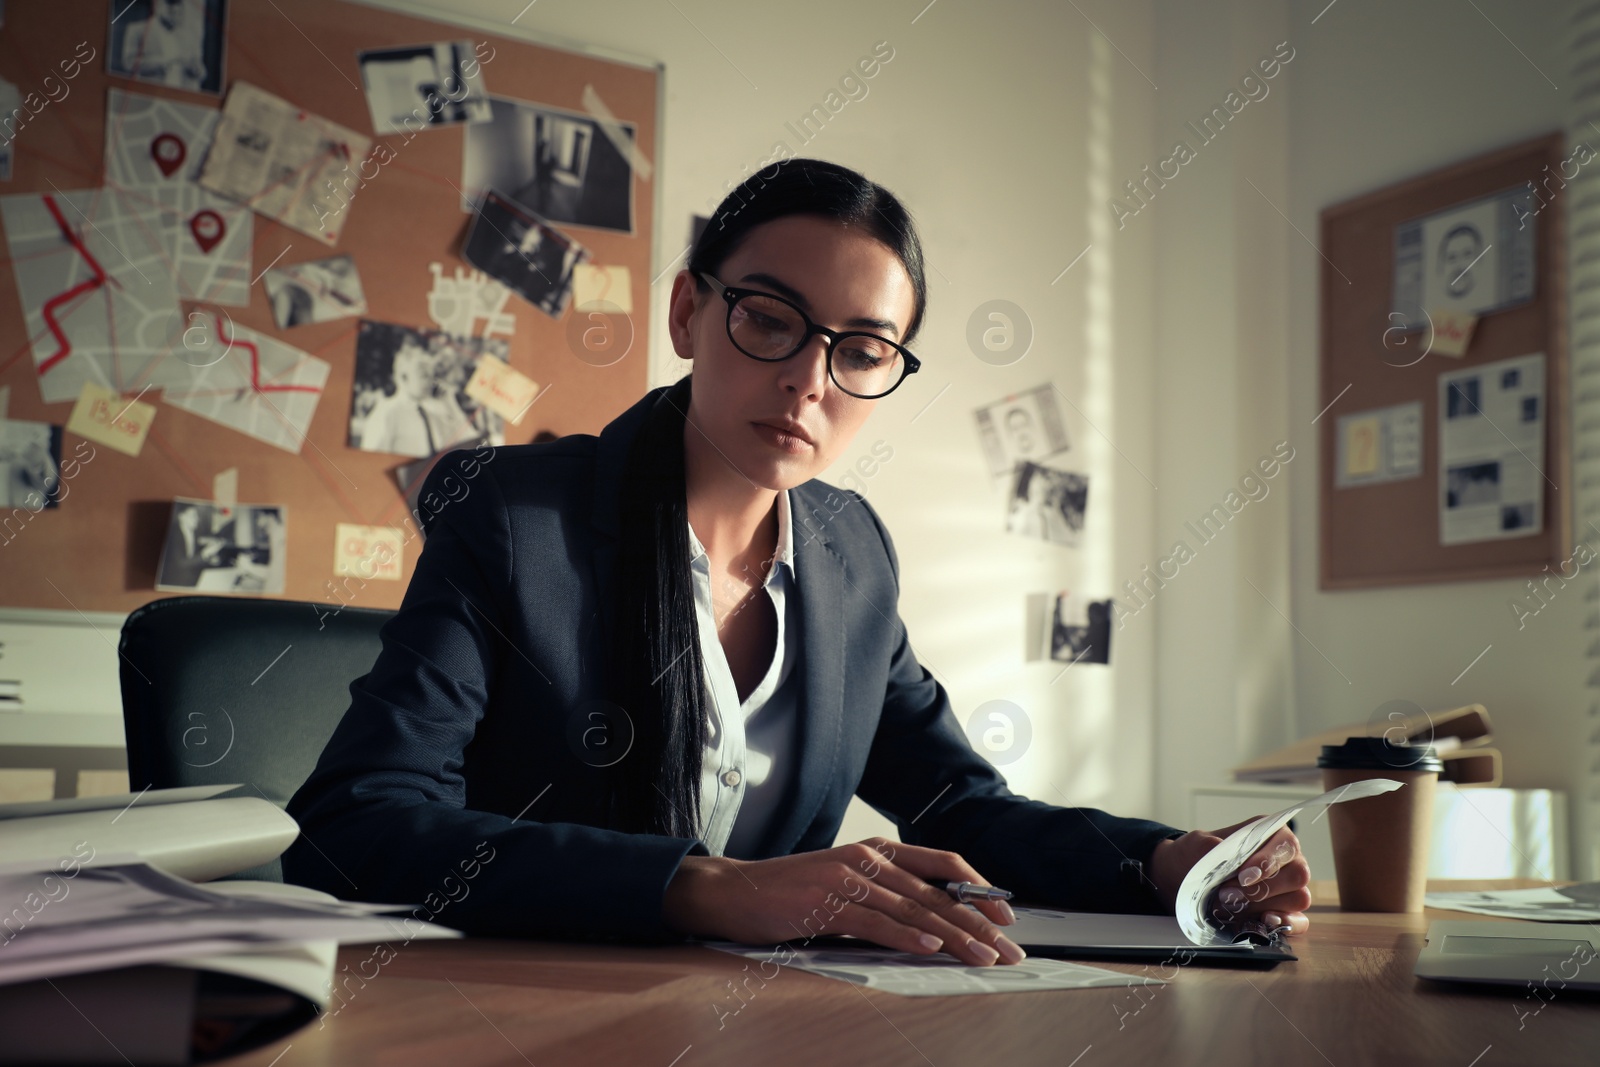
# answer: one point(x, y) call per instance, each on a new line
point(1080, 630)
point(1047, 504)
point(1471, 258)
point(30, 463)
point(416, 86)
point(319, 291)
point(410, 391)
point(1024, 426)
point(520, 250)
point(216, 549)
point(558, 164)
point(176, 43)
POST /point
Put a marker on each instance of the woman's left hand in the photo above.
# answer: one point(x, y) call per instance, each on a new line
point(1271, 885)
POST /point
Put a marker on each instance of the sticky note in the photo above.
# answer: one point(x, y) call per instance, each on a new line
point(225, 488)
point(106, 418)
point(1362, 443)
point(1452, 331)
point(368, 552)
point(602, 286)
point(502, 389)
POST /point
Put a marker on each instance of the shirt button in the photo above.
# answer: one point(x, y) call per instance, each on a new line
point(730, 778)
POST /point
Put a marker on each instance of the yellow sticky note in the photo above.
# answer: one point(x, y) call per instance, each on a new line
point(368, 552)
point(1452, 331)
point(602, 286)
point(502, 389)
point(1361, 442)
point(106, 418)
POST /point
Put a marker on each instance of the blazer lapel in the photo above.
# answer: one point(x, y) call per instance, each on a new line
point(820, 574)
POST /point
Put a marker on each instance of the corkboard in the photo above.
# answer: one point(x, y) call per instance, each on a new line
point(1389, 534)
point(99, 550)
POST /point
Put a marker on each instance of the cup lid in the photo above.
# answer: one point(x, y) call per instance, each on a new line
point(1379, 753)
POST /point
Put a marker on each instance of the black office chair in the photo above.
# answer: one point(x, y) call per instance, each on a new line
point(230, 689)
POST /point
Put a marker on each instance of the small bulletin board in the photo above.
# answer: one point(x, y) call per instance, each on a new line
point(1443, 411)
point(572, 133)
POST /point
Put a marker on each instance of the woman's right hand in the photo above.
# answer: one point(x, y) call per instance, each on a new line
point(873, 889)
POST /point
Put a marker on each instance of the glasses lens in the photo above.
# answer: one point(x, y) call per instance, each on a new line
point(765, 327)
point(867, 365)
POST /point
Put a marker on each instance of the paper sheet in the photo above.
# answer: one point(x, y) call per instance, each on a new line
point(260, 386)
point(98, 299)
point(154, 151)
point(1224, 861)
point(939, 975)
point(1573, 903)
point(1491, 451)
point(285, 162)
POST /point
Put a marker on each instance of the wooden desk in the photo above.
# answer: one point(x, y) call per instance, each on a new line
point(1350, 1000)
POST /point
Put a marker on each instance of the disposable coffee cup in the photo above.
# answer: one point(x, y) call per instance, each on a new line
point(1380, 843)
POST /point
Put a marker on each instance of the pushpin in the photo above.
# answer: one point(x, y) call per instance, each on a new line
point(207, 228)
point(168, 151)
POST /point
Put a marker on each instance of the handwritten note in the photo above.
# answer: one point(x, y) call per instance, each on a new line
point(368, 552)
point(102, 416)
point(608, 289)
point(1452, 331)
point(502, 389)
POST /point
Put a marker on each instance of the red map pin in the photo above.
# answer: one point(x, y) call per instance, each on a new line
point(168, 151)
point(207, 228)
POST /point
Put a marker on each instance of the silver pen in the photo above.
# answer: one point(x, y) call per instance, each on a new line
point(965, 891)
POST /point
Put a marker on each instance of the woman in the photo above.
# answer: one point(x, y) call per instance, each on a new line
point(644, 673)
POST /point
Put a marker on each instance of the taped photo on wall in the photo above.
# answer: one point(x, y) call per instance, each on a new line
point(409, 396)
point(215, 549)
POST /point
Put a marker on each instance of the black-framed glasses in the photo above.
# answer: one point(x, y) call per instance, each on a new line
point(771, 329)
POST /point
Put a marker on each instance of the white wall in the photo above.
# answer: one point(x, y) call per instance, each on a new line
point(1003, 128)
point(1382, 92)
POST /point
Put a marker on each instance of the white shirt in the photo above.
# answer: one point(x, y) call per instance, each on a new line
point(747, 764)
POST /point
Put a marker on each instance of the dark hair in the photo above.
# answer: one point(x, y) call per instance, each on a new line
point(658, 672)
point(814, 187)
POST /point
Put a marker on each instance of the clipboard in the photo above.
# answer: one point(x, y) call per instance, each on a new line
point(1116, 937)
point(1086, 935)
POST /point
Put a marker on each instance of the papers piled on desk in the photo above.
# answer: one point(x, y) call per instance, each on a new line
point(116, 911)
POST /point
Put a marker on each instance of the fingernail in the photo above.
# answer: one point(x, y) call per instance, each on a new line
point(929, 942)
point(1272, 919)
point(1232, 896)
point(1010, 950)
point(1005, 910)
point(985, 954)
point(1250, 876)
point(1283, 853)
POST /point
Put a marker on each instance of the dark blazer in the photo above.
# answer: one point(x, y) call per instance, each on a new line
point(458, 778)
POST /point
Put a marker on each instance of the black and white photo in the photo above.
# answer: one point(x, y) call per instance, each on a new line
point(235, 549)
point(176, 43)
point(1080, 630)
point(1047, 504)
point(522, 251)
point(30, 463)
point(558, 164)
point(317, 291)
point(417, 86)
point(410, 397)
point(1023, 426)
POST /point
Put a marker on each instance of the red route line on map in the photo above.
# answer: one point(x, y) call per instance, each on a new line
point(255, 366)
point(49, 311)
